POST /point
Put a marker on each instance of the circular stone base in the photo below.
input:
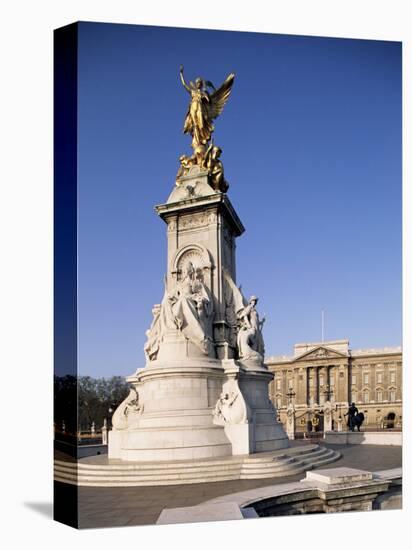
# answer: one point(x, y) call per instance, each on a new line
point(99, 471)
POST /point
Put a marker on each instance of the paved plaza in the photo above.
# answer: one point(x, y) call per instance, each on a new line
point(120, 506)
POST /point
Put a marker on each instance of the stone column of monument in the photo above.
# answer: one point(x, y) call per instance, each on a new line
point(204, 389)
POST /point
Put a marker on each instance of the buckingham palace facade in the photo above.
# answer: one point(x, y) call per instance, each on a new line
point(317, 372)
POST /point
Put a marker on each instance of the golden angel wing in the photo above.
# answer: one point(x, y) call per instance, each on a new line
point(219, 97)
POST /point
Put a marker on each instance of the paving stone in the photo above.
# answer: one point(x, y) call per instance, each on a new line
point(117, 506)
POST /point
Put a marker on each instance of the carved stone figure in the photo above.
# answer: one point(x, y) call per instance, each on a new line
point(188, 309)
point(127, 411)
point(234, 302)
point(191, 306)
point(250, 339)
point(153, 334)
point(223, 406)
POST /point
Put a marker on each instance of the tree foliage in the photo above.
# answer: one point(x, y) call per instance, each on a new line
point(79, 401)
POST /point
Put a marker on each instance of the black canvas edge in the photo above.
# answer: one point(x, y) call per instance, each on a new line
point(65, 67)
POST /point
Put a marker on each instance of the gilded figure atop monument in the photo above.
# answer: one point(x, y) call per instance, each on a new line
point(204, 107)
point(206, 104)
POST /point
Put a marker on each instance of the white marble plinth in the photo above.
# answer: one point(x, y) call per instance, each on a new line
point(333, 476)
point(208, 512)
point(177, 421)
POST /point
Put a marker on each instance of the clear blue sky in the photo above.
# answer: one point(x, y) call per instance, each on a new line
point(311, 140)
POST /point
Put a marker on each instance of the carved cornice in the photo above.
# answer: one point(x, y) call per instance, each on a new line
point(200, 204)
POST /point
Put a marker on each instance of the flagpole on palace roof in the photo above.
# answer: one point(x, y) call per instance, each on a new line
point(323, 325)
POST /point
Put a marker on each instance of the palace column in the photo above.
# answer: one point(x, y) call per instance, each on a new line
point(284, 387)
point(295, 383)
point(307, 385)
point(323, 390)
point(322, 382)
point(328, 368)
point(343, 384)
point(305, 397)
point(316, 382)
point(347, 383)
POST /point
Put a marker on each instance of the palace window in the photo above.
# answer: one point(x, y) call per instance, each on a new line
point(379, 396)
point(332, 380)
point(321, 380)
point(379, 378)
point(366, 378)
point(392, 376)
point(366, 396)
point(278, 384)
point(353, 379)
point(392, 395)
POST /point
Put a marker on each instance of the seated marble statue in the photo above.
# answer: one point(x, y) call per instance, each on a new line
point(189, 309)
point(250, 338)
point(191, 306)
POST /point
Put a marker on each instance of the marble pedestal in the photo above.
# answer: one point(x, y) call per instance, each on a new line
point(179, 419)
point(196, 398)
point(176, 422)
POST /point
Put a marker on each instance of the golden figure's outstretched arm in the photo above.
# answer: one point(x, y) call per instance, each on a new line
point(182, 78)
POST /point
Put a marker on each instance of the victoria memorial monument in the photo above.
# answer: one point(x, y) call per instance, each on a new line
point(204, 390)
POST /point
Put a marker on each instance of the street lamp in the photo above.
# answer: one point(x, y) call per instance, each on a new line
point(327, 392)
point(290, 395)
point(314, 422)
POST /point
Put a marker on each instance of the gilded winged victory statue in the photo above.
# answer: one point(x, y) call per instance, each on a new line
point(205, 106)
